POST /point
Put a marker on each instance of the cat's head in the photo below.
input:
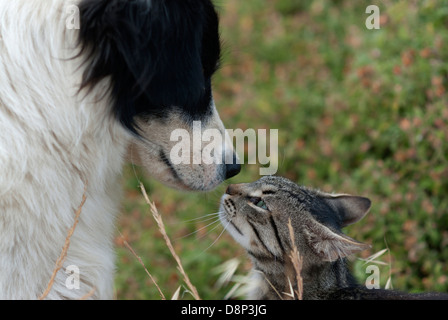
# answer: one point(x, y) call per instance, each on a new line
point(257, 216)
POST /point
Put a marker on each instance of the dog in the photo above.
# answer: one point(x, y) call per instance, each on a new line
point(75, 103)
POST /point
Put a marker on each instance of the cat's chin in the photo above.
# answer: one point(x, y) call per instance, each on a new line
point(226, 220)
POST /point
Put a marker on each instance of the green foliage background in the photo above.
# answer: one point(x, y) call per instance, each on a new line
point(358, 111)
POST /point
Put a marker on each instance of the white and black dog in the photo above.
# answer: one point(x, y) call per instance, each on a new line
point(74, 104)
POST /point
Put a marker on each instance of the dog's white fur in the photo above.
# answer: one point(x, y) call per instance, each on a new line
point(43, 171)
point(53, 141)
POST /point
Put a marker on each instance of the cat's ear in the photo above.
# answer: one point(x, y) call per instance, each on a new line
point(350, 208)
point(330, 245)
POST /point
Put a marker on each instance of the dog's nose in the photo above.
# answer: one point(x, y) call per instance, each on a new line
point(233, 168)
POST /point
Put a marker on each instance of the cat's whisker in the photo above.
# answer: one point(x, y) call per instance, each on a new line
point(200, 219)
point(208, 232)
point(219, 236)
point(202, 228)
point(205, 217)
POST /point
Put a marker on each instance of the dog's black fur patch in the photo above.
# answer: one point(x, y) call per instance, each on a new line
point(158, 53)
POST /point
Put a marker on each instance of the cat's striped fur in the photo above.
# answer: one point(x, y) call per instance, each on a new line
point(258, 215)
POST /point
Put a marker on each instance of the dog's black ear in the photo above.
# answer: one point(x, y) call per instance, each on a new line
point(153, 50)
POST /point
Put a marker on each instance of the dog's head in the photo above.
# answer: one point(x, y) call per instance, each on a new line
point(160, 56)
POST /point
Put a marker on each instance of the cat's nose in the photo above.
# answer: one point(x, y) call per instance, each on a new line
point(233, 189)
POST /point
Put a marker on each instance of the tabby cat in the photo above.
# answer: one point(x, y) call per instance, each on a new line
point(259, 215)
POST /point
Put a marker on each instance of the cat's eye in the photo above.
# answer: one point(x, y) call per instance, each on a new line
point(262, 205)
point(259, 203)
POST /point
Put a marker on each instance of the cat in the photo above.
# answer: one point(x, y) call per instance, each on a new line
point(259, 215)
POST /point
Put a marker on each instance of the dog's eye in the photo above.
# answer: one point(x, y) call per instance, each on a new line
point(259, 203)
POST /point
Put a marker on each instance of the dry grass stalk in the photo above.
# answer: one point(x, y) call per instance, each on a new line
point(88, 294)
point(297, 262)
point(63, 255)
point(144, 267)
point(161, 225)
point(176, 294)
point(273, 287)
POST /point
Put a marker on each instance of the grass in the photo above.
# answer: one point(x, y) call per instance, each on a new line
point(358, 111)
point(66, 246)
